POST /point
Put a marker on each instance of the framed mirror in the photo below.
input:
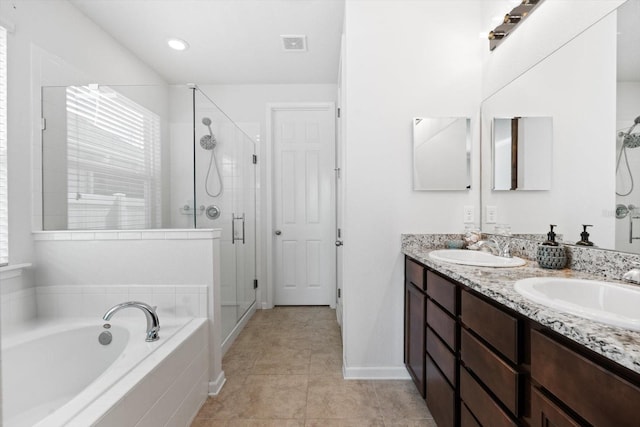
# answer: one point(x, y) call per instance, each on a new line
point(522, 153)
point(442, 153)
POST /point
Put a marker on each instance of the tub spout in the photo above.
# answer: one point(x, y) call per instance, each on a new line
point(153, 323)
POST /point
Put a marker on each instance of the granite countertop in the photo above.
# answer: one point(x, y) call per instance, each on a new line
point(617, 344)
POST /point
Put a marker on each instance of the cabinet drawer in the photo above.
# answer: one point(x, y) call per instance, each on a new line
point(466, 419)
point(442, 356)
point(414, 334)
point(442, 291)
point(495, 326)
point(442, 324)
point(545, 413)
point(414, 273)
point(441, 398)
point(483, 407)
point(596, 394)
point(494, 372)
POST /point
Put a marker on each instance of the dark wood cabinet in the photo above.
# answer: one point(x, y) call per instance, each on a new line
point(545, 413)
point(415, 301)
point(596, 394)
point(479, 363)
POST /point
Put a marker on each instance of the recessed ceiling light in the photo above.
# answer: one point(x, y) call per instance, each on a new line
point(177, 44)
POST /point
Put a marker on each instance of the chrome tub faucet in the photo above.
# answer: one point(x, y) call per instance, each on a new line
point(153, 323)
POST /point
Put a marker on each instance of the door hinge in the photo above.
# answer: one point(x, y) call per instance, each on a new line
point(254, 159)
point(338, 112)
point(337, 171)
point(339, 293)
point(43, 124)
point(255, 283)
point(339, 233)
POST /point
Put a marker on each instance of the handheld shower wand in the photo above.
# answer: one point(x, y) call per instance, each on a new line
point(629, 140)
point(209, 142)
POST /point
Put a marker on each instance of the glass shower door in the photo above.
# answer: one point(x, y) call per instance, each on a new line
point(225, 183)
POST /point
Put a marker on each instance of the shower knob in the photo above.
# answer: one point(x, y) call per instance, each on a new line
point(278, 232)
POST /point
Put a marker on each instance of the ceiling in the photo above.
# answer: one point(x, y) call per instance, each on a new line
point(231, 41)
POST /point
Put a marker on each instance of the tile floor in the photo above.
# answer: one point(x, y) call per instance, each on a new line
point(285, 369)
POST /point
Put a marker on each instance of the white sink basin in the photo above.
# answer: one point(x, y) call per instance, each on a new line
point(610, 303)
point(477, 258)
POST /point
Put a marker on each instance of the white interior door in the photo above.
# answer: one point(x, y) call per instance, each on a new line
point(304, 154)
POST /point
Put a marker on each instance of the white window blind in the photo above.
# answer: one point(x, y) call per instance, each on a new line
point(113, 161)
point(4, 198)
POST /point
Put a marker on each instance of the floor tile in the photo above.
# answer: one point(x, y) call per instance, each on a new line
point(400, 400)
point(332, 397)
point(285, 370)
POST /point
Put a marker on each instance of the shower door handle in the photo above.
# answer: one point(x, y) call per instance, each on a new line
point(233, 228)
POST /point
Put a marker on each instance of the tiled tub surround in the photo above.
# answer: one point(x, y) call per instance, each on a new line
point(619, 345)
point(130, 382)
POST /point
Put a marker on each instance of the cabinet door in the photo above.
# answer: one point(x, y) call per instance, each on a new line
point(546, 414)
point(414, 334)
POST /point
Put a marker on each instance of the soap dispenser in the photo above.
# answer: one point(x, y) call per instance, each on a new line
point(550, 253)
point(551, 237)
point(584, 236)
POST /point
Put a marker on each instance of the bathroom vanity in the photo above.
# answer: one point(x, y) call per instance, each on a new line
point(483, 355)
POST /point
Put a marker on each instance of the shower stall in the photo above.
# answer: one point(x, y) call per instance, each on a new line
point(154, 157)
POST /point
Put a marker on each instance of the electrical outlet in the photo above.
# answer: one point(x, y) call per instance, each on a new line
point(492, 214)
point(469, 214)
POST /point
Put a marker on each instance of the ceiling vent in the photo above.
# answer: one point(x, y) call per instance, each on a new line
point(294, 43)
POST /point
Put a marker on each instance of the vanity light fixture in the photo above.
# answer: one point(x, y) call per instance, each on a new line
point(511, 20)
point(177, 44)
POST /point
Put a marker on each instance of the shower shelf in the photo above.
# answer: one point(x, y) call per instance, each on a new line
point(188, 210)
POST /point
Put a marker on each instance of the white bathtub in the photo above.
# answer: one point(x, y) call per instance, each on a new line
point(58, 374)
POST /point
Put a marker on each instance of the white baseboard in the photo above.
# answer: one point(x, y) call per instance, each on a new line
point(216, 386)
point(226, 345)
point(375, 373)
point(266, 306)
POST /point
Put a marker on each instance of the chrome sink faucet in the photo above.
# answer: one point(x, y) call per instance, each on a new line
point(633, 275)
point(493, 246)
point(153, 323)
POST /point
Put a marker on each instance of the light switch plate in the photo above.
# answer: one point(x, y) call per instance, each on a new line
point(469, 214)
point(492, 214)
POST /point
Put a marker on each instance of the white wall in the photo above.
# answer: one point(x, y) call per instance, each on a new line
point(55, 27)
point(583, 120)
point(399, 65)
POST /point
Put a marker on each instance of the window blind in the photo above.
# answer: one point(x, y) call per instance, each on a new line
point(113, 161)
point(4, 198)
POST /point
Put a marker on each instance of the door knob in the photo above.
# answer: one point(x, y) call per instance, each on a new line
point(278, 232)
point(339, 243)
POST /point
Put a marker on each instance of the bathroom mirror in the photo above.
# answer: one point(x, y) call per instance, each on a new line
point(593, 100)
point(442, 153)
point(522, 155)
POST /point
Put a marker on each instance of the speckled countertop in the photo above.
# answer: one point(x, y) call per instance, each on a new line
point(617, 344)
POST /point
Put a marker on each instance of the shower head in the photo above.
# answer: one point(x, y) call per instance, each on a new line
point(207, 121)
point(208, 142)
point(631, 140)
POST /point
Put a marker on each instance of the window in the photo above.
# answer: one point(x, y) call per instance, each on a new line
point(4, 199)
point(113, 161)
